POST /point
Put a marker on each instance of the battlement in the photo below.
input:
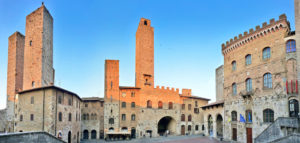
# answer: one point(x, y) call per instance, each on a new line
point(252, 34)
point(167, 89)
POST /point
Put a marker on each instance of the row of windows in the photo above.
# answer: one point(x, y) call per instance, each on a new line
point(189, 107)
point(124, 104)
point(87, 105)
point(124, 117)
point(70, 103)
point(160, 104)
point(183, 117)
point(190, 127)
point(31, 117)
point(268, 115)
point(267, 83)
point(60, 117)
point(266, 54)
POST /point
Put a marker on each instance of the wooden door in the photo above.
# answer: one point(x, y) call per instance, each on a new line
point(249, 135)
point(182, 130)
point(234, 134)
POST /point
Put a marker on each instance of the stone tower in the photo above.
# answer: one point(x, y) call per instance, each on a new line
point(144, 55)
point(38, 52)
point(111, 99)
point(14, 73)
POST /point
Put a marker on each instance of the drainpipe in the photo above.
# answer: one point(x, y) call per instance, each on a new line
point(44, 110)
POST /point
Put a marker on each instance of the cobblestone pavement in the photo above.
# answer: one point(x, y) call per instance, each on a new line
point(170, 139)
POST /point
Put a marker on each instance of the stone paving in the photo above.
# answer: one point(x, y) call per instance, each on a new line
point(170, 139)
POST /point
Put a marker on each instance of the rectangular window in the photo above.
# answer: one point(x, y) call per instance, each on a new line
point(248, 59)
point(183, 106)
point(70, 101)
point(123, 117)
point(32, 100)
point(196, 103)
point(132, 94)
point(31, 117)
point(190, 107)
point(123, 104)
point(234, 91)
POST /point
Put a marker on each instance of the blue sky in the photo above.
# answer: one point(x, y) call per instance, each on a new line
point(187, 38)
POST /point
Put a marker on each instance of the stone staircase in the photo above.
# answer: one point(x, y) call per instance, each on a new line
point(279, 130)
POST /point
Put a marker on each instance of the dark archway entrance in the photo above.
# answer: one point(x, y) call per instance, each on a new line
point(86, 134)
point(69, 137)
point(210, 125)
point(219, 126)
point(93, 134)
point(166, 123)
point(293, 108)
point(133, 132)
point(182, 130)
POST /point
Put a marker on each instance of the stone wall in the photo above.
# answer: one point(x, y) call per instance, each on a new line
point(37, 137)
point(219, 83)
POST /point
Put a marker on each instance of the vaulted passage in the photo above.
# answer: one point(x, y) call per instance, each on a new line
point(166, 123)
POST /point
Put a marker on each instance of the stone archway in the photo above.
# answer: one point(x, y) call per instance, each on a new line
point(166, 123)
point(210, 125)
point(219, 126)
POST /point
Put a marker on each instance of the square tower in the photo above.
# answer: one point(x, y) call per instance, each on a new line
point(144, 55)
point(38, 52)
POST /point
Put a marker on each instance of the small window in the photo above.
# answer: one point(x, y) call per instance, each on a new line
point(123, 117)
point(149, 104)
point(234, 91)
point(291, 46)
point(196, 127)
point(30, 43)
point(145, 22)
point(160, 105)
point(21, 118)
point(267, 80)
point(111, 121)
point(268, 115)
point(133, 117)
point(203, 128)
point(70, 101)
point(86, 105)
point(266, 53)
point(32, 100)
point(70, 117)
point(59, 99)
point(233, 65)
point(60, 116)
point(248, 116)
point(123, 104)
point(111, 85)
point(101, 104)
point(132, 94)
point(132, 104)
point(189, 128)
point(190, 118)
point(170, 105)
point(196, 103)
point(190, 106)
point(183, 106)
point(33, 84)
point(248, 84)
point(182, 117)
point(233, 116)
point(248, 59)
point(31, 117)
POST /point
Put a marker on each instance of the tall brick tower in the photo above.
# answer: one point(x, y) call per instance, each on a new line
point(144, 55)
point(14, 73)
point(297, 33)
point(38, 52)
point(111, 99)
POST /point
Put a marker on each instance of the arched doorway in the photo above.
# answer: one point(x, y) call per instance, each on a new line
point(182, 130)
point(293, 108)
point(219, 126)
point(93, 134)
point(166, 124)
point(210, 125)
point(69, 137)
point(86, 134)
point(133, 133)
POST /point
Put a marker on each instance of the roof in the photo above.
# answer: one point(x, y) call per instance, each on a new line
point(128, 87)
point(92, 99)
point(214, 104)
point(195, 97)
point(48, 87)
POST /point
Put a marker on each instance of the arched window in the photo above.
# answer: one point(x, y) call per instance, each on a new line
point(248, 59)
point(189, 128)
point(291, 46)
point(111, 129)
point(196, 127)
point(182, 117)
point(133, 117)
point(123, 104)
point(70, 117)
point(190, 118)
point(21, 118)
point(160, 105)
point(132, 104)
point(60, 116)
point(111, 121)
point(249, 116)
point(149, 104)
point(233, 65)
point(234, 91)
point(233, 116)
point(268, 115)
point(248, 84)
point(170, 105)
point(266, 53)
point(294, 108)
point(123, 117)
point(267, 80)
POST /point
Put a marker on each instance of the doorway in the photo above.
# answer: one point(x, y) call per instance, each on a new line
point(249, 135)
